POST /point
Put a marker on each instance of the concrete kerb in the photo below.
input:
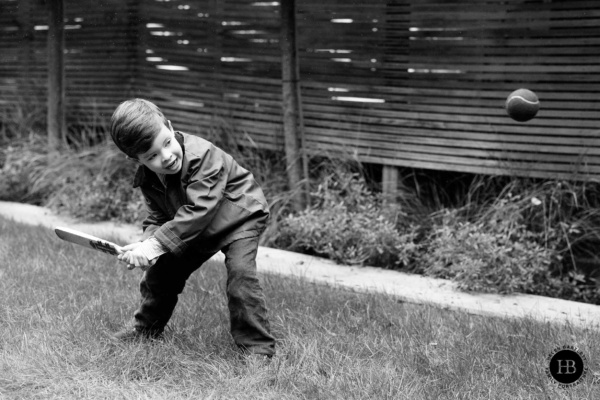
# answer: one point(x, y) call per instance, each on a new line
point(409, 288)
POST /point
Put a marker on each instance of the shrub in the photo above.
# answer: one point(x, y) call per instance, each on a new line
point(94, 183)
point(500, 257)
point(528, 238)
point(20, 160)
point(349, 224)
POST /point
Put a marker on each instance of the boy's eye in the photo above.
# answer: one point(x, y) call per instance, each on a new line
point(168, 142)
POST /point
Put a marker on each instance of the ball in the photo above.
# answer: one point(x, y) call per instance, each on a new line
point(522, 105)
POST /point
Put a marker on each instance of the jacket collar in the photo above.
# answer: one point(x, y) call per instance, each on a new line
point(144, 176)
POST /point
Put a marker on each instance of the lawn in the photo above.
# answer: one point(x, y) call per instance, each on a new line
point(59, 304)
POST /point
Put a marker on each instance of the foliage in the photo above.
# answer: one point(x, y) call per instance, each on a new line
point(500, 256)
point(94, 183)
point(100, 190)
point(349, 224)
point(529, 238)
point(19, 161)
point(24, 115)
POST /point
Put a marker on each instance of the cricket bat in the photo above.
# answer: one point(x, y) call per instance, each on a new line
point(89, 241)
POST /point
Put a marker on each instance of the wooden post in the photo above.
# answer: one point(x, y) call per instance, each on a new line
point(296, 160)
point(56, 73)
point(389, 182)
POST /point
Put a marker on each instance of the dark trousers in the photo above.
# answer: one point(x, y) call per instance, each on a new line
point(164, 281)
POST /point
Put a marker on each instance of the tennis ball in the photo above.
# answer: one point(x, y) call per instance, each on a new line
point(522, 105)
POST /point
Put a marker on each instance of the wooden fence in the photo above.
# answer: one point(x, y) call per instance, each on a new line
point(406, 83)
point(100, 62)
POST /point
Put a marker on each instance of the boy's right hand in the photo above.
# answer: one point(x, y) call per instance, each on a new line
point(134, 258)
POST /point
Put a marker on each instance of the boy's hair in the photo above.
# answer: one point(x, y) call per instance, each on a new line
point(134, 126)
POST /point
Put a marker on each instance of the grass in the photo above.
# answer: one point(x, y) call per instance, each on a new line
point(59, 303)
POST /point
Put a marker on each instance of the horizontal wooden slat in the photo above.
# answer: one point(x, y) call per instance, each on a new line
point(438, 73)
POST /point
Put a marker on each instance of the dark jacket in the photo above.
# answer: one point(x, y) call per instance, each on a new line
point(210, 203)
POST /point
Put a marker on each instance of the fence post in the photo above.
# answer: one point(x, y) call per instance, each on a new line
point(389, 182)
point(296, 160)
point(56, 74)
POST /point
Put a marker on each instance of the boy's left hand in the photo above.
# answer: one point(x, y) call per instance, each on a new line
point(135, 258)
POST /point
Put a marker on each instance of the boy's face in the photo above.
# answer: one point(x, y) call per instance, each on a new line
point(165, 155)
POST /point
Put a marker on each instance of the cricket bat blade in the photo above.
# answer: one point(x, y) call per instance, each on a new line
point(89, 241)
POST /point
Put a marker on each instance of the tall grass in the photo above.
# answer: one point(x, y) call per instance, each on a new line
point(60, 303)
point(548, 229)
point(24, 115)
point(90, 182)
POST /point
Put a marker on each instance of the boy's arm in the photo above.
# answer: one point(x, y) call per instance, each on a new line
point(207, 182)
point(153, 220)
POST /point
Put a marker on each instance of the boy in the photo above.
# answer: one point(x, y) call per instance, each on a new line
point(199, 201)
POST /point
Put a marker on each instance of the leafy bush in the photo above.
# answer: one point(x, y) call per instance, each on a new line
point(94, 183)
point(526, 239)
point(500, 256)
point(349, 224)
point(20, 160)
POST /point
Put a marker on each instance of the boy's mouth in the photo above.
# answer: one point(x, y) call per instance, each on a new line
point(172, 165)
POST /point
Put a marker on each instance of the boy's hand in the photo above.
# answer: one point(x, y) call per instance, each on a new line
point(135, 258)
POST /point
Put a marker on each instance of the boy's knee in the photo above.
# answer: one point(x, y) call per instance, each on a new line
point(162, 287)
point(244, 288)
point(242, 281)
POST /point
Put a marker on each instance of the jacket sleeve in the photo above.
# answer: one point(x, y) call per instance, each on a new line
point(154, 220)
point(207, 181)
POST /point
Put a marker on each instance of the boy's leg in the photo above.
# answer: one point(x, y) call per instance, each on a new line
point(160, 287)
point(249, 325)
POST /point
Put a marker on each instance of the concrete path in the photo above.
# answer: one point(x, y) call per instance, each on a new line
point(406, 287)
